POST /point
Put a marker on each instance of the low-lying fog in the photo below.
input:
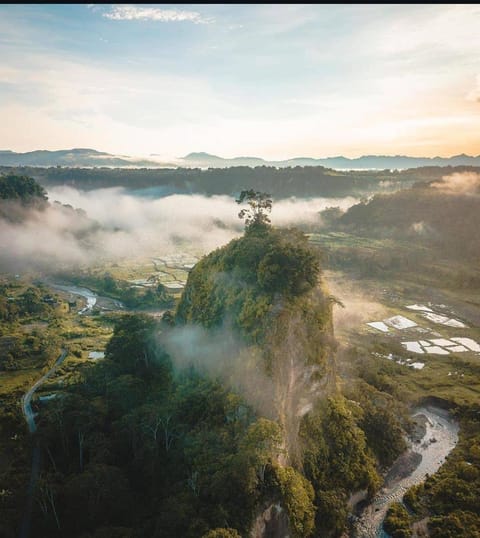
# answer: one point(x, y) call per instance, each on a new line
point(120, 224)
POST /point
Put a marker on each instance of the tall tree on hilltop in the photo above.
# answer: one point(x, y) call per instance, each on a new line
point(260, 204)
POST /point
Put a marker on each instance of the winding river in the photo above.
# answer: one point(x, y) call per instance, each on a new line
point(87, 294)
point(440, 438)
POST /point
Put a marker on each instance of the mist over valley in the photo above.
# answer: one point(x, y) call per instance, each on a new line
point(239, 271)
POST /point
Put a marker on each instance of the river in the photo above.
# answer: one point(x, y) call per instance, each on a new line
point(103, 303)
point(87, 294)
point(440, 438)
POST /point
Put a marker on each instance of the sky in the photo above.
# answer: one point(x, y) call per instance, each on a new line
point(273, 81)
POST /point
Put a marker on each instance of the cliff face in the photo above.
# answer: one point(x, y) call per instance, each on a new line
point(266, 286)
point(272, 522)
point(299, 351)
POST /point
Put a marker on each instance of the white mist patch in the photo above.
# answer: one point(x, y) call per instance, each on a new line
point(464, 183)
point(305, 211)
point(120, 225)
point(219, 354)
point(118, 207)
point(358, 308)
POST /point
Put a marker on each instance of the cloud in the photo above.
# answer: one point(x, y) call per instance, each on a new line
point(358, 305)
point(460, 183)
point(251, 93)
point(221, 354)
point(474, 94)
point(137, 13)
point(121, 225)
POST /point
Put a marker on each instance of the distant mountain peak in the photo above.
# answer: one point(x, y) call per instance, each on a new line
point(88, 157)
point(200, 155)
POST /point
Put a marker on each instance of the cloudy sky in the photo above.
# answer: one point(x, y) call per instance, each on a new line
point(275, 81)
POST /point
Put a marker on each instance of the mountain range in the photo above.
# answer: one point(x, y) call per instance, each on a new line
point(85, 157)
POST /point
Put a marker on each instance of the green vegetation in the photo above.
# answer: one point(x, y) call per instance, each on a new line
point(382, 419)
point(337, 461)
point(297, 494)
point(170, 455)
point(397, 522)
point(222, 533)
point(134, 447)
point(299, 181)
point(132, 443)
point(284, 182)
point(425, 214)
point(242, 280)
point(24, 313)
point(133, 297)
point(22, 189)
point(28, 345)
point(450, 497)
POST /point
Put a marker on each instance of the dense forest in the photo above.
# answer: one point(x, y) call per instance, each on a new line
point(228, 417)
point(439, 214)
point(142, 445)
point(298, 181)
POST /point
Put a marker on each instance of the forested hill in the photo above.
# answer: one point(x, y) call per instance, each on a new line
point(443, 214)
point(19, 195)
point(143, 445)
point(299, 181)
point(265, 287)
point(21, 189)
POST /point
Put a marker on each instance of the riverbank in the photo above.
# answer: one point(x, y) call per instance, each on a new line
point(424, 457)
point(92, 299)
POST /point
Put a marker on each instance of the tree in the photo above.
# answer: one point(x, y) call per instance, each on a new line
point(397, 521)
point(132, 346)
point(289, 269)
point(262, 445)
point(101, 494)
point(23, 189)
point(297, 495)
point(260, 204)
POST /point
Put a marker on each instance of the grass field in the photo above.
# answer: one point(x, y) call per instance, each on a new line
point(454, 377)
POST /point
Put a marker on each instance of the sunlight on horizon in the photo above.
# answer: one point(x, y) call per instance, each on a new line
point(272, 81)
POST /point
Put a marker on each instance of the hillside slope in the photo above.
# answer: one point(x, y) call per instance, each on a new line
point(266, 287)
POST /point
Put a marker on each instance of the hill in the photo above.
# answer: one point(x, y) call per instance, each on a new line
point(443, 214)
point(70, 157)
point(365, 162)
point(78, 157)
point(300, 182)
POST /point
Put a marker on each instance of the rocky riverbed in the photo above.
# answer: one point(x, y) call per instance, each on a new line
point(434, 437)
